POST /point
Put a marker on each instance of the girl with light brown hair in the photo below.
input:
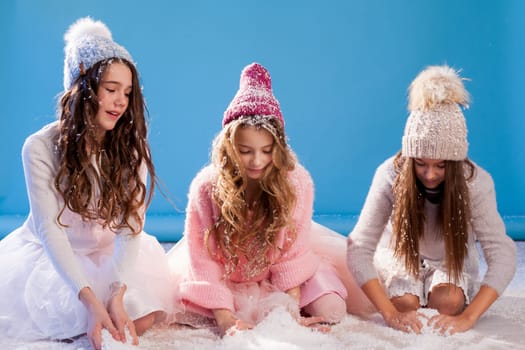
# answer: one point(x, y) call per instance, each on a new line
point(414, 244)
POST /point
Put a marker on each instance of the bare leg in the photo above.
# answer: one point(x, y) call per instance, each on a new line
point(447, 299)
point(405, 303)
point(329, 306)
point(144, 323)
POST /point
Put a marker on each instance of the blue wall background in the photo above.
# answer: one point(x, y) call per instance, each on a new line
point(340, 70)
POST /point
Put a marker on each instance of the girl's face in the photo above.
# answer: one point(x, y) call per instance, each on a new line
point(255, 147)
point(113, 96)
point(431, 172)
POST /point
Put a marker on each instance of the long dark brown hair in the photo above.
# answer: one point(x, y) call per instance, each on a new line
point(275, 201)
point(408, 220)
point(115, 178)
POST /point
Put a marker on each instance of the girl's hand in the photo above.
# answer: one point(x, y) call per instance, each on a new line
point(239, 325)
point(97, 319)
point(119, 315)
point(228, 323)
point(466, 320)
point(404, 321)
point(315, 322)
point(445, 324)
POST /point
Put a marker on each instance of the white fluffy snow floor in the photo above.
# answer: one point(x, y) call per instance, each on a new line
point(502, 327)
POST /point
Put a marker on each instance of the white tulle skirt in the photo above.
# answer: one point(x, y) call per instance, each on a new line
point(36, 303)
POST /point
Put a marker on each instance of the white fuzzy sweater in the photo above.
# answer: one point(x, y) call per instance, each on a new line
point(87, 238)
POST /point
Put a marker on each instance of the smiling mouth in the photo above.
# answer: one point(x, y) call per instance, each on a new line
point(113, 115)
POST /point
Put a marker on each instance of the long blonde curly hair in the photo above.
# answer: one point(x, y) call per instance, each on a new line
point(253, 240)
point(408, 219)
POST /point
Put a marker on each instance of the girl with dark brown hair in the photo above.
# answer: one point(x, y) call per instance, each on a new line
point(80, 262)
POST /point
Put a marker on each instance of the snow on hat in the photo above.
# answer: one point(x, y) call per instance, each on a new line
point(436, 127)
point(88, 42)
point(254, 96)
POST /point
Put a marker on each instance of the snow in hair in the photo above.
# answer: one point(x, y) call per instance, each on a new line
point(437, 85)
point(84, 27)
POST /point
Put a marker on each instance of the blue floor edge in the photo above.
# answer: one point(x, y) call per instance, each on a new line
point(169, 228)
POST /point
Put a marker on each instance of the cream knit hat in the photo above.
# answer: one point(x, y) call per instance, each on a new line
point(436, 127)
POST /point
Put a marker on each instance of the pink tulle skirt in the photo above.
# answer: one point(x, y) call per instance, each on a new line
point(254, 300)
point(331, 246)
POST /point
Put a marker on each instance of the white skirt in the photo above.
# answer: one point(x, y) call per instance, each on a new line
point(36, 303)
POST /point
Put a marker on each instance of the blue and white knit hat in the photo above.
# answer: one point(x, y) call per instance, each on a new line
point(88, 42)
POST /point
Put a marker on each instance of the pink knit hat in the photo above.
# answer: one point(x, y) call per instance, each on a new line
point(254, 96)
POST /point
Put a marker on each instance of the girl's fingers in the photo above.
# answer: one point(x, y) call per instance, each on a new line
point(416, 326)
point(399, 325)
point(121, 330)
point(422, 315)
point(133, 332)
point(438, 322)
point(241, 325)
point(115, 333)
point(315, 322)
point(433, 320)
point(443, 327)
point(323, 328)
point(308, 321)
point(96, 338)
point(407, 325)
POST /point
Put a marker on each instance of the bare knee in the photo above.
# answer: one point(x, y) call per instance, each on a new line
point(406, 302)
point(331, 307)
point(144, 323)
point(447, 299)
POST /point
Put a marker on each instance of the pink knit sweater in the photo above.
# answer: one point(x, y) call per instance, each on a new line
point(205, 284)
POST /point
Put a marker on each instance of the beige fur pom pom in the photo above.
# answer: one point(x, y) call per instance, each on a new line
point(437, 85)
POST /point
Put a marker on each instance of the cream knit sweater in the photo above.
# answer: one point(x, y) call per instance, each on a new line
point(373, 229)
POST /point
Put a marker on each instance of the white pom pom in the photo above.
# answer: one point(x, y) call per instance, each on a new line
point(437, 85)
point(86, 26)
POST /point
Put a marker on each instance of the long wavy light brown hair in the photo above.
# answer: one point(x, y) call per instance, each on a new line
point(118, 156)
point(253, 240)
point(408, 218)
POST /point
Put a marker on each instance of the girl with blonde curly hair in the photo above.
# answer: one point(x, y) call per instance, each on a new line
point(248, 232)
